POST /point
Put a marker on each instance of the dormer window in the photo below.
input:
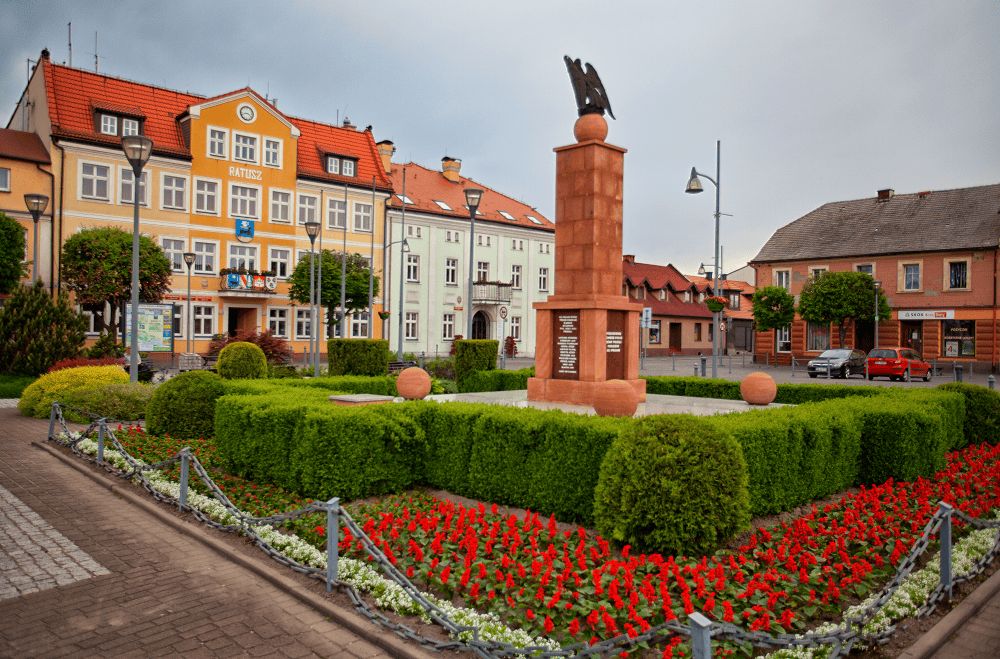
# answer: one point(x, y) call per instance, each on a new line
point(109, 124)
point(340, 166)
point(130, 127)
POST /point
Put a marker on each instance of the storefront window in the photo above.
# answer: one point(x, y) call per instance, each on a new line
point(817, 337)
point(783, 338)
point(654, 331)
point(959, 337)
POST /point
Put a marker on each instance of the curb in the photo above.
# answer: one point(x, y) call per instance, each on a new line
point(940, 633)
point(353, 622)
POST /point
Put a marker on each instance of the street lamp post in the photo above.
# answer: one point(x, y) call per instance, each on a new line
point(405, 248)
point(878, 287)
point(472, 198)
point(694, 187)
point(137, 150)
point(312, 230)
point(36, 204)
point(189, 260)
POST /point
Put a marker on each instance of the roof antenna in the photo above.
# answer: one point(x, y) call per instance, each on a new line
point(71, 45)
point(95, 51)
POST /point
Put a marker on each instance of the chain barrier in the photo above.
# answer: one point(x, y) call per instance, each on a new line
point(840, 641)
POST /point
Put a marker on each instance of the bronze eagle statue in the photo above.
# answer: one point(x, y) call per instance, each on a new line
point(591, 98)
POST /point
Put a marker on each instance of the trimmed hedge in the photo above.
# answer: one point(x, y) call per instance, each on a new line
point(497, 380)
point(184, 405)
point(242, 360)
point(982, 413)
point(472, 356)
point(358, 356)
point(730, 390)
point(36, 399)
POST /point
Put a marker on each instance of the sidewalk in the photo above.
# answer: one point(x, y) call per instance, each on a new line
point(85, 572)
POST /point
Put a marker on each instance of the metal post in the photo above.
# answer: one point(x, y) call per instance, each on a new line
point(945, 537)
point(185, 459)
point(703, 360)
point(468, 301)
point(421, 359)
point(829, 369)
point(52, 420)
point(332, 540)
point(343, 272)
point(992, 381)
point(958, 372)
point(696, 370)
point(100, 440)
point(312, 307)
point(402, 267)
point(187, 330)
point(793, 366)
point(730, 364)
point(133, 363)
point(909, 373)
point(701, 636)
point(673, 362)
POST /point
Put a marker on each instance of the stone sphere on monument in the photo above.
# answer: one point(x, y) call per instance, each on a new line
point(615, 398)
point(758, 389)
point(589, 127)
point(413, 383)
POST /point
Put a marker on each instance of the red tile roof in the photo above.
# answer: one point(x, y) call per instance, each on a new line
point(657, 276)
point(675, 308)
point(746, 293)
point(18, 145)
point(425, 186)
point(318, 140)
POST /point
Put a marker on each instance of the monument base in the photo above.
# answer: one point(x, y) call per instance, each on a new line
point(574, 392)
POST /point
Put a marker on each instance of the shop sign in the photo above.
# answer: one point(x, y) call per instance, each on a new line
point(927, 314)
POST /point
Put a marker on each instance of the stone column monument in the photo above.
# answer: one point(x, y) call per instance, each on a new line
point(587, 332)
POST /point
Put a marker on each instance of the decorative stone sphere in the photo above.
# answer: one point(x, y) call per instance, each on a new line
point(413, 383)
point(615, 398)
point(758, 389)
point(590, 127)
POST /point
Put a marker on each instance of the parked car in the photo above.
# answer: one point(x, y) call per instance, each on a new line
point(842, 362)
point(893, 362)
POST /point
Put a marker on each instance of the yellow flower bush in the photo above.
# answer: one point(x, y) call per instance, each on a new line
point(37, 398)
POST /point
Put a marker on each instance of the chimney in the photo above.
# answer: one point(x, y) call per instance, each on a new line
point(385, 151)
point(45, 53)
point(886, 195)
point(450, 168)
point(348, 125)
point(629, 258)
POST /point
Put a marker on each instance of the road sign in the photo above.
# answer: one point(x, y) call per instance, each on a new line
point(647, 316)
point(503, 312)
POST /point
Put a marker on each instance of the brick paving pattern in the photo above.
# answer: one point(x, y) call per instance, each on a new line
point(163, 593)
point(978, 637)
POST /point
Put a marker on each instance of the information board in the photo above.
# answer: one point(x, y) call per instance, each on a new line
point(614, 342)
point(566, 348)
point(156, 327)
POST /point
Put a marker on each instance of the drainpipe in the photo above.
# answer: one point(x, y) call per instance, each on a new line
point(62, 186)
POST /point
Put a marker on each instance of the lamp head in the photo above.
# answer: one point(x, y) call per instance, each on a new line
point(189, 259)
point(694, 183)
point(878, 284)
point(36, 204)
point(406, 246)
point(312, 230)
point(137, 150)
point(472, 198)
point(701, 270)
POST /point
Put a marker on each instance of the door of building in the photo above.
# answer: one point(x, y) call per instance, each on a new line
point(241, 318)
point(675, 338)
point(864, 335)
point(480, 326)
point(913, 335)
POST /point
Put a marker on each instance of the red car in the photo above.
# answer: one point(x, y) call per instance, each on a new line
point(892, 362)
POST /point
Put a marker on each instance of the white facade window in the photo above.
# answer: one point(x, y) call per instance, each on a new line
point(451, 272)
point(128, 187)
point(783, 339)
point(452, 236)
point(272, 153)
point(515, 277)
point(173, 192)
point(204, 320)
point(543, 279)
point(4, 179)
point(243, 256)
point(206, 197)
point(204, 258)
point(307, 209)
point(911, 277)
point(413, 267)
point(130, 127)
point(348, 168)
point(303, 323)
point(217, 143)
point(783, 279)
point(362, 217)
point(543, 248)
point(483, 240)
point(448, 326)
point(277, 322)
point(336, 214)
point(243, 201)
point(411, 326)
point(517, 245)
point(515, 327)
point(281, 206)
point(412, 231)
point(332, 165)
point(359, 325)
point(482, 271)
point(280, 261)
point(174, 251)
point(94, 182)
point(109, 124)
point(244, 147)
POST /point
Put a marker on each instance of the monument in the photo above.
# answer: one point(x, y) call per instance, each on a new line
point(587, 331)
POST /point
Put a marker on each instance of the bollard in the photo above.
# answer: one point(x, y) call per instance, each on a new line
point(701, 636)
point(958, 372)
point(703, 361)
point(829, 369)
point(730, 363)
point(934, 367)
point(945, 536)
point(992, 381)
point(767, 357)
point(422, 358)
point(866, 369)
point(52, 419)
point(673, 362)
point(100, 440)
point(696, 370)
point(793, 366)
point(909, 373)
point(185, 459)
point(332, 540)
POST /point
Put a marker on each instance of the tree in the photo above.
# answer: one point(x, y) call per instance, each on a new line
point(37, 331)
point(96, 264)
point(838, 297)
point(11, 251)
point(773, 308)
point(357, 283)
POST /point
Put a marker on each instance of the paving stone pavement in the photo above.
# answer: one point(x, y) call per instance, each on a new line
point(161, 593)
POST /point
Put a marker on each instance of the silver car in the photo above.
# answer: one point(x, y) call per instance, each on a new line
point(842, 363)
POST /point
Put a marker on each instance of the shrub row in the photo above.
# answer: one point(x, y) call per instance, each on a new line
point(497, 380)
point(472, 356)
point(358, 356)
point(730, 390)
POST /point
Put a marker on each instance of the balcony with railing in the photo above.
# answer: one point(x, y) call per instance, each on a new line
point(491, 292)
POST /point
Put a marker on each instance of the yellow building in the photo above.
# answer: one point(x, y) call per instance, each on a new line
point(231, 179)
point(25, 168)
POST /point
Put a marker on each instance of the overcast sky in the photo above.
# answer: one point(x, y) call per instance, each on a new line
point(813, 101)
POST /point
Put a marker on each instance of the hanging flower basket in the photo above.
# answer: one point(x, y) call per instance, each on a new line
point(716, 303)
point(383, 315)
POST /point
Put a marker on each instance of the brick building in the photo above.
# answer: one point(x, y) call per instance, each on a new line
point(935, 254)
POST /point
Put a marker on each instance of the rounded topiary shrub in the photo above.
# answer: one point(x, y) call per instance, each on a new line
point(184, 406)
point(672, 484)
point(982, 413)
point(36, 399)
point(242, 361)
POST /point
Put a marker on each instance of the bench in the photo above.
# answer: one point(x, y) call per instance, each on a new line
point(210, 362)
point(396, 367)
